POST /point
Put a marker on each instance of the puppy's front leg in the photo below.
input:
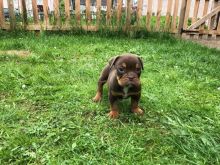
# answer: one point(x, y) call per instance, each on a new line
point(114, 110)
point(102, 80)
point(134, 105)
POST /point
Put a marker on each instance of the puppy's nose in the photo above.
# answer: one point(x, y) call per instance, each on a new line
point(130, 77)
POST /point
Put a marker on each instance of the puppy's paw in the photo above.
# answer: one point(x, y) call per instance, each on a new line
point(97, 98)
point(138, 111)
point(113, 114)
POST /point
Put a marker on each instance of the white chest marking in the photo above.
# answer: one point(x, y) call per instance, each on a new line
point(125, 90)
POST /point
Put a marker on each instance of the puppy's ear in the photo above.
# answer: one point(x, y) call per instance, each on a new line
point(141, 62)
point(113, 61)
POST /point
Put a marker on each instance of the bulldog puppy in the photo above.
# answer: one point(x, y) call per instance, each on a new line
point(122, 75)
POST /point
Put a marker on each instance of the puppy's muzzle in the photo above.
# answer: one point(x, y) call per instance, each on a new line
point(129, 81)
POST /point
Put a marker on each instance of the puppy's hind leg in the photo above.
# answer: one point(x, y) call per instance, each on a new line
point(102, 80)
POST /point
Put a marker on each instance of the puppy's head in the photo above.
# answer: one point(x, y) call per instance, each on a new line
point(128, 69)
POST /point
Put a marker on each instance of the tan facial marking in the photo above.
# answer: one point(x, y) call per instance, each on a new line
point(119, 81)
point(124, 65)
point(137, 65)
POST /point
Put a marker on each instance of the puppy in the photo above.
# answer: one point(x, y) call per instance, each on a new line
point(122, 75)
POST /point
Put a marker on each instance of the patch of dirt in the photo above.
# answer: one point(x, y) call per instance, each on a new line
point(19, 53)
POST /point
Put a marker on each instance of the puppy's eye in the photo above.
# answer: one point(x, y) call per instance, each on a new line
point(121, 70)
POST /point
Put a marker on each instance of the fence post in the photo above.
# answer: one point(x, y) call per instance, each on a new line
point(182, 16)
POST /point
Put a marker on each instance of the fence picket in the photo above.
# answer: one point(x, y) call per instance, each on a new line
point(128, 14)
point(98, 14)
point(77, 10)
point(139, 12)
point(218, 27)
point(2, 17)
point(45, 8)
point(11, 14)
point(213, 19)
point(35, 11)
point(88, 15)
point(168, 15)
point(67, 11)
point(196, 9)
point(119, 12)
point(182, 16)
point(217, 18)
point(149, 14)
point(185, 25)
point(159, 9)
point(205, 10)
point(57, 13)
point(176, 5)
point(24, 13)
point(108, 14)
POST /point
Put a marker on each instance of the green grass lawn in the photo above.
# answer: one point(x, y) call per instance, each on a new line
point(47, 115)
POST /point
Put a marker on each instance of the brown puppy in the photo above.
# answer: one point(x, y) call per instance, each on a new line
point(122, 75)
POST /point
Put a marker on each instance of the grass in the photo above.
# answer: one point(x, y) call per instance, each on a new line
point(47, 116)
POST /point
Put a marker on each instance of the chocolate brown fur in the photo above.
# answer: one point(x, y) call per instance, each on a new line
point(122, 75)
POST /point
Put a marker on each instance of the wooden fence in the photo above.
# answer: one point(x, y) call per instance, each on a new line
point(114, 15)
